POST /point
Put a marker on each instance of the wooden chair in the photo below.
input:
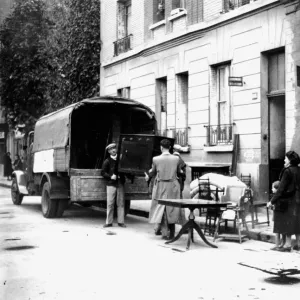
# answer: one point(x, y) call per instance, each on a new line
point(254, 205)
point(212, 214)
point(237, 215)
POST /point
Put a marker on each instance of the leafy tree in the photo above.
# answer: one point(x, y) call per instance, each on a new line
point(50, 57)
point(24, 65)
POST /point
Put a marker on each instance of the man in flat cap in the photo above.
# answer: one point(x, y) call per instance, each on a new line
point(114, 188)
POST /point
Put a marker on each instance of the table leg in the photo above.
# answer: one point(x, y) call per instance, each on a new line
point(198, 229)
point(183, 229)
point(189, 226)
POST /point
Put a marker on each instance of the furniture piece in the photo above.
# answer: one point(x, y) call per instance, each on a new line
point(206, 192)
point(236, 214)
point(190, 225)
point(254, 205)
point(135, 152)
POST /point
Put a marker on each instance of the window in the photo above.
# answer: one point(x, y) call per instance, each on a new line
point(124, 19)
point(124, 92)
point(161, 104)
point(220, 128)
point(178, 4)
point(158, 10)
point(276, 72)
point(182, 109)
point(123, 43)
point(195, 11)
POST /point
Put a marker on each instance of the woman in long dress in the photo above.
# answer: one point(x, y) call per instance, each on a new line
point(287, 211)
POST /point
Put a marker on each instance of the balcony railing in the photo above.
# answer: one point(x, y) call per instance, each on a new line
point(122, 45)
point(219, 134)
point(179, 134)
point(233, 4)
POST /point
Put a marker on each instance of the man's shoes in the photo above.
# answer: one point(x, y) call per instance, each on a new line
point(296, 248)
point(284, 249)
point(275, 248)
point(157, 232)
point(122, 225)
point(107, 225)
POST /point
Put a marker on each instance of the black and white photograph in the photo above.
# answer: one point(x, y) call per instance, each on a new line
point(149, 149)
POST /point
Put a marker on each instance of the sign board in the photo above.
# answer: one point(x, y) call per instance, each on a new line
point(235, 81)
point(2, 135)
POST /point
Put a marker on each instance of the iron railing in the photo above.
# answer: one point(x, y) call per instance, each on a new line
point(233, 4)
point(179, 134)
point(219, 134)
point(122, 45)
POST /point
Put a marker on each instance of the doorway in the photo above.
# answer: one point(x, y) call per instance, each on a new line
point(276, 137)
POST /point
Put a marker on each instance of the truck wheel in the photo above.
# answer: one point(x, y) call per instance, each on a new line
point(16, 196)
point(62, 204)
point(49, 206)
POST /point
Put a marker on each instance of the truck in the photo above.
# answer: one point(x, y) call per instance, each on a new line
point(66, 150)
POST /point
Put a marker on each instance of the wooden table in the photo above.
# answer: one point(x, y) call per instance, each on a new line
point(191, 204)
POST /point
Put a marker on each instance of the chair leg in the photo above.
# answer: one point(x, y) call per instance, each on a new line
point(217, 229)
point(256, 218)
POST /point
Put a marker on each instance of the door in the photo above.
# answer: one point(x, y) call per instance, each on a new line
point(276, 137)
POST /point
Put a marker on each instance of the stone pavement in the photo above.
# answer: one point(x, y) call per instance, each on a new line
point(261, 232)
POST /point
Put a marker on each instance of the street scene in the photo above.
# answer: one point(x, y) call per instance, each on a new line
point(75, 257)
point(149, 149)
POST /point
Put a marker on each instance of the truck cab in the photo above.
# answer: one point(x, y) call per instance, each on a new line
point(66, 151)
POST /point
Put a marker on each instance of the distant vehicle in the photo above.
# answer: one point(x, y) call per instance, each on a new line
point(67, 148)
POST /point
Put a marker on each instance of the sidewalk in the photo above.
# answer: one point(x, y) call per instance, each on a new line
point(261, 232)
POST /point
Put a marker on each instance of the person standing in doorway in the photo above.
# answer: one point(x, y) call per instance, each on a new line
point(166, 170)
point(7, 166)
point(114, 188)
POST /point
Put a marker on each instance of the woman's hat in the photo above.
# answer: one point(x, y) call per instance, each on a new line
point(293, 157)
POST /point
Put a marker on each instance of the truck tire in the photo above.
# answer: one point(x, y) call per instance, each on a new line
point(49, 206)
point(16, 196)
point(62, 204)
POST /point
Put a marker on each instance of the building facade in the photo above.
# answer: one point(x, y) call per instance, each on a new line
point(222, 76)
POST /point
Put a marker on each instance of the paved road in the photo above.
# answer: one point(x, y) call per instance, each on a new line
point(75, 258)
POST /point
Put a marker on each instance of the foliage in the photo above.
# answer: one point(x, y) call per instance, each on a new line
point(50, 57)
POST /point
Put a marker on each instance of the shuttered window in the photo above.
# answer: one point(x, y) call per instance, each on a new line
point(195, 11)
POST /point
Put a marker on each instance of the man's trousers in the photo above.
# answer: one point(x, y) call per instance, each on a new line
point(115, 194)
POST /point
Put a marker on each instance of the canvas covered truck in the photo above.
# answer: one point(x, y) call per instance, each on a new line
point(66, 151)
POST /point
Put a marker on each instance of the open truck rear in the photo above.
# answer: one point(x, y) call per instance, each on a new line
point(68, 149)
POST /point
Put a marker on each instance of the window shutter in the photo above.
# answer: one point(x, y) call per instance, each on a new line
point(195, 11)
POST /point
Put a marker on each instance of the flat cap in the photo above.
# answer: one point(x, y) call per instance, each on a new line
point(110, 146)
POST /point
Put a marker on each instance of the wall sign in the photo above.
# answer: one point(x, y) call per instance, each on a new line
point(235, 81)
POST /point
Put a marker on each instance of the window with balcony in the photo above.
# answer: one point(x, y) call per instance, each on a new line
point(219, 131)
point(124, 36)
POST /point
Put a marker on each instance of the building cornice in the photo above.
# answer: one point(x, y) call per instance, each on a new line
point(193, 34)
